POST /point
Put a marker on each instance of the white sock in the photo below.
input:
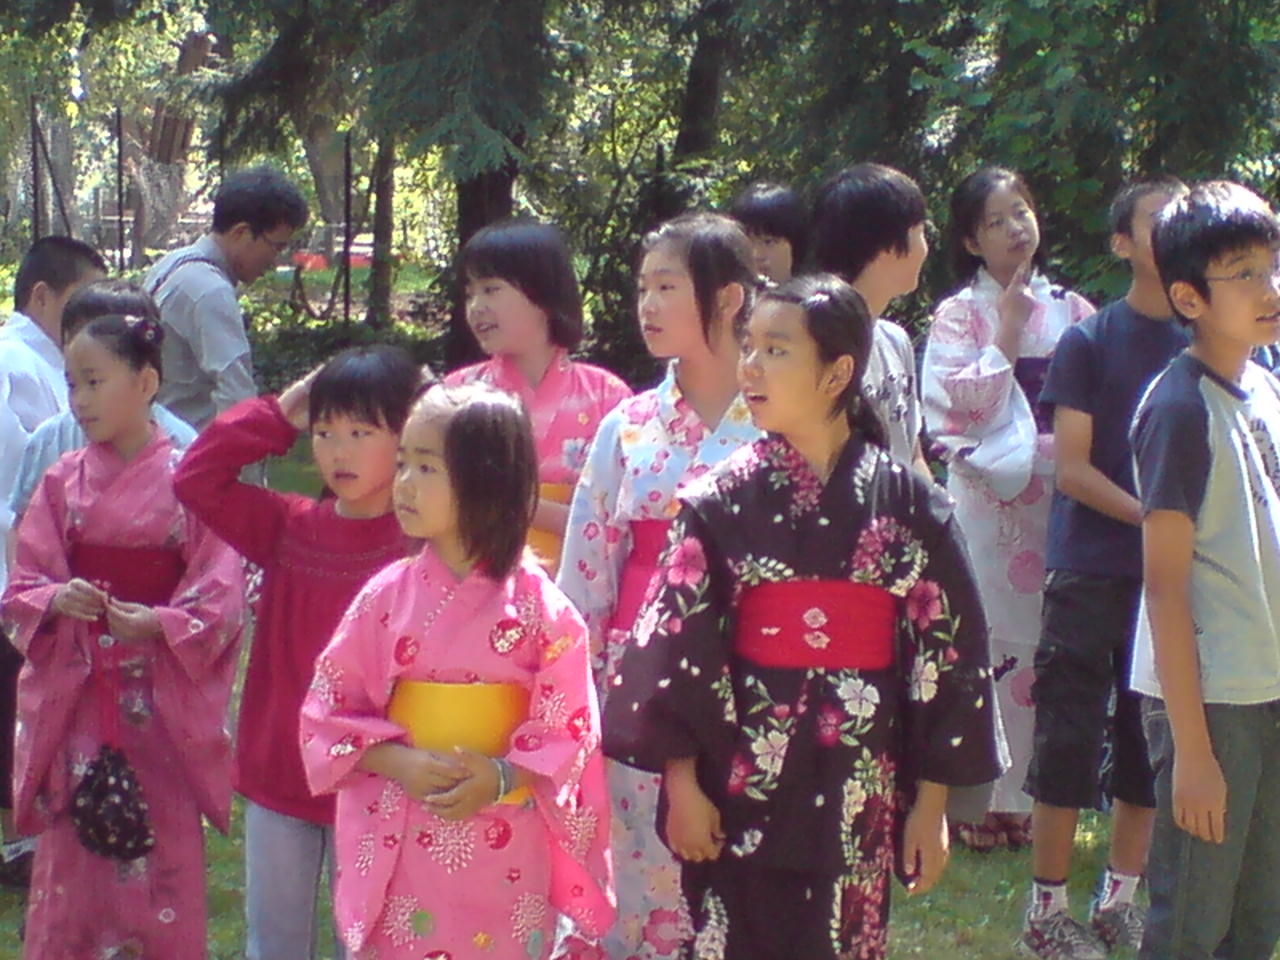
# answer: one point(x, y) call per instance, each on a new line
point(1048, 899)
point(1116, 888)
point(12, 849)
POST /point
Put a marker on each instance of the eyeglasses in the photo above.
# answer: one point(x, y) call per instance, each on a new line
point(279, 246)
point(1252, 276)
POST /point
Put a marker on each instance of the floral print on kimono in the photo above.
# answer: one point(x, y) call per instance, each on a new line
point(1001, 474)
point(412, 884)
point(810, 768)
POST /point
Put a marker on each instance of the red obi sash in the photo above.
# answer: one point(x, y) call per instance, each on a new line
point(147, 575)
point(648, 540)
point(833, 624)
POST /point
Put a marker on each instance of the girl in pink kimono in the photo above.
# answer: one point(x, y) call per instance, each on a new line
point(985, 363)
point(128, 613)
point(454, 715)
point(525, 310)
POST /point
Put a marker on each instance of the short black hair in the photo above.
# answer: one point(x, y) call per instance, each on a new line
point(262, 197)
point(135, 340)
point(56, 261)
point(716, 252)
point(493, 470)
point(775, 210)
point(535, 258)
point(1125, 203)
point(838, 320)
point(375, 384)
point(861, 212)
point(1212, 220)
point(103, 298)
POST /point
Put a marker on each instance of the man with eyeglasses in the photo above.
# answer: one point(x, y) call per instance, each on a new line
point(206, 355)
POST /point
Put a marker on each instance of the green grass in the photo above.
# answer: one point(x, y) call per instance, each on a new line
point(975, 912)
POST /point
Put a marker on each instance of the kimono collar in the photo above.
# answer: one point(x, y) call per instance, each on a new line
point(106, 461)
point(987, 287)
point(674, 409)
point(779, 452)
point(509, 376)
point(30, 333)
point(435, 571)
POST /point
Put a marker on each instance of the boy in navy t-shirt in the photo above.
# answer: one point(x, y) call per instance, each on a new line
point(1100, 370)
point(1207, 654)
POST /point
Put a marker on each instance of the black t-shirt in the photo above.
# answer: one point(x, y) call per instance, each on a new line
point(1101, 367)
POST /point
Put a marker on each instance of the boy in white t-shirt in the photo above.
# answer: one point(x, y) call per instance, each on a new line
point(1207, 654)
point(869, 228)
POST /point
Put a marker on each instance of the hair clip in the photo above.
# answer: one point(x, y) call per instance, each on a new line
point(145, 327)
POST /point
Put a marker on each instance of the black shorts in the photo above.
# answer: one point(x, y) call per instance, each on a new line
point(1082, 662)
point(10, 664)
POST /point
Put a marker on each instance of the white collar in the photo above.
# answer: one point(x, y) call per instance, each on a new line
point(23, 329)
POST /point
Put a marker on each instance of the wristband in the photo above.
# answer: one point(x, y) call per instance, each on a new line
point(505, 777)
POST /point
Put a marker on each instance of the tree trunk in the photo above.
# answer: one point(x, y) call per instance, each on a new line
point(482, 200)
point(699, 112)
point(384, 185)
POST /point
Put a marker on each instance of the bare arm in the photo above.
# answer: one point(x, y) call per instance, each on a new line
point(1199, 791)
point(1078, 478)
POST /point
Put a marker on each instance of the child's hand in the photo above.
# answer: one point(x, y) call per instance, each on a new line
point(1016, 301)
point(132, 622)
point(1199, 796)
point(693, 821)
point(425, 773)
point(296, 399)
point(472, 794)
point(79, 600)
point(926, 846)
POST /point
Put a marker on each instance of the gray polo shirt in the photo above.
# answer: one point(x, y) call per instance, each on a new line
point(1208, 448)
point(207, 364)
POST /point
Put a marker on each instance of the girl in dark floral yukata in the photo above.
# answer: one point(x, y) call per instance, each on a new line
point(809, 672)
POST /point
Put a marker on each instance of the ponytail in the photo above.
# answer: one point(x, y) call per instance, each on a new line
point(864, 422)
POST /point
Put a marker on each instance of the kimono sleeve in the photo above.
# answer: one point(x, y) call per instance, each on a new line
point(196, 665)
point(596, 539)
point(968, 378)
point(951, 723)
point(40, 567)
point(561, 741)
point(973, 406)
point(345, 710)
point(672, 695)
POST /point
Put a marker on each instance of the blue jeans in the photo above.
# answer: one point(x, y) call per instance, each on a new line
point(1214, 901)
point(283, 860)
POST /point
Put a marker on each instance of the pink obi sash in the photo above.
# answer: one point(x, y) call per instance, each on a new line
point(832, 624)
point(648, 540)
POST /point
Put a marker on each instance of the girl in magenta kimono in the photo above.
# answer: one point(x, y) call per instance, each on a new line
point(810, 672)
point(524, 307)
point(128, 613)
point(444, 849)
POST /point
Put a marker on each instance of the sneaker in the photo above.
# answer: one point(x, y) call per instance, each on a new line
point(1120, 925)
point(1059, 936)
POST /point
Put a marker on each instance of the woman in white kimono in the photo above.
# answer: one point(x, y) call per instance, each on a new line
point(984, 366)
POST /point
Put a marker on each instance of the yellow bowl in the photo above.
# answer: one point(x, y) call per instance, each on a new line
point(474, 716)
